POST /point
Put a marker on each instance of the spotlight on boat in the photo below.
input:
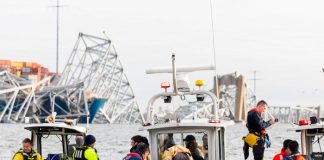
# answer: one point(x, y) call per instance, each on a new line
point(199, 83)
point(200, 97)
point(167, 99)
point(51, 118)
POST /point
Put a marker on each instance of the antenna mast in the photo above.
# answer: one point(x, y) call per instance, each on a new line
point(57, 35)
point(254, 81)
point(214, 49)
point(213, 33)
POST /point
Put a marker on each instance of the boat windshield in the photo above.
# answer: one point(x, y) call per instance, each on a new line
point(52, 146)
point(197, 143)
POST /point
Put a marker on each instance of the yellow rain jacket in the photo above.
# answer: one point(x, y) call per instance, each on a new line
point(172, 151)
point(21, 155)
point(90, 154)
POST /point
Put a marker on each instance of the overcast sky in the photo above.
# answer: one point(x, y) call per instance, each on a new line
point(282, 39)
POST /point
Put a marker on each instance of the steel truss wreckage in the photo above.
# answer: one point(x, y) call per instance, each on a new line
point(93, 86)
point(95, 62)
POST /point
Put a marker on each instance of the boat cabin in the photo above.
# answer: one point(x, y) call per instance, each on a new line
point(54, 141)
point(209, 136)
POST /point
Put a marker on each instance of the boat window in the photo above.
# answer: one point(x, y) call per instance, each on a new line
point(72, 144)
point(196, 143)
point(318, 145)
point(51, 145)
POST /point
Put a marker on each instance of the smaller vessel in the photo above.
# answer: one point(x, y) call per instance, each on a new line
point(162, 129)
point(53, 140)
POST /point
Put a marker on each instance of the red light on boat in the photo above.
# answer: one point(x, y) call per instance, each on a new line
point(214, 121)
point(303, 122)
point(165, 85)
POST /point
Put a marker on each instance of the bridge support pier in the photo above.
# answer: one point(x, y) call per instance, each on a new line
point(240, 106)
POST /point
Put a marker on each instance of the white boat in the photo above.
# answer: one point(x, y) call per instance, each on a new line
point(48, 137)
point(177, 129)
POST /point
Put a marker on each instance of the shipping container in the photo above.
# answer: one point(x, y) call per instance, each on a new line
point(5, 62)
point(35, 65)
point(29, 70)
point(13, 64)
point(29, 64)
point(18, 73)
point(20, 64)
point(26, 70)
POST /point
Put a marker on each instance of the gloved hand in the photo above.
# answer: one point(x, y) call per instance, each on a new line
point(267, 140)
point(268, 143)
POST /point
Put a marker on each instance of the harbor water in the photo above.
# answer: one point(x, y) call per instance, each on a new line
point(113, 140)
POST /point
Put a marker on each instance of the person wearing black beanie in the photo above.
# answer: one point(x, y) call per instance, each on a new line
point(87, 152)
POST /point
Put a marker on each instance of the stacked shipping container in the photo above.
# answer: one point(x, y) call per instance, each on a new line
point(28, 70)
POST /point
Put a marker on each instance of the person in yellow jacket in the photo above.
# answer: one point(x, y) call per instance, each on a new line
point(87, 152)
point(27, 152)
point(176, 152)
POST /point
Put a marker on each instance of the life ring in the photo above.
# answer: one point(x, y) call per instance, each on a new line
point(50, 119)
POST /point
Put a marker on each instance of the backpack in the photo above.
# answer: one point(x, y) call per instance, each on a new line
point(132, 155)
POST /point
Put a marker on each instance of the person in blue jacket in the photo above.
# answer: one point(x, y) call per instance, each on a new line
point(257, 128)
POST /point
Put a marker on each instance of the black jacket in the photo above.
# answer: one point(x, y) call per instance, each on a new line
point(255, 123)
